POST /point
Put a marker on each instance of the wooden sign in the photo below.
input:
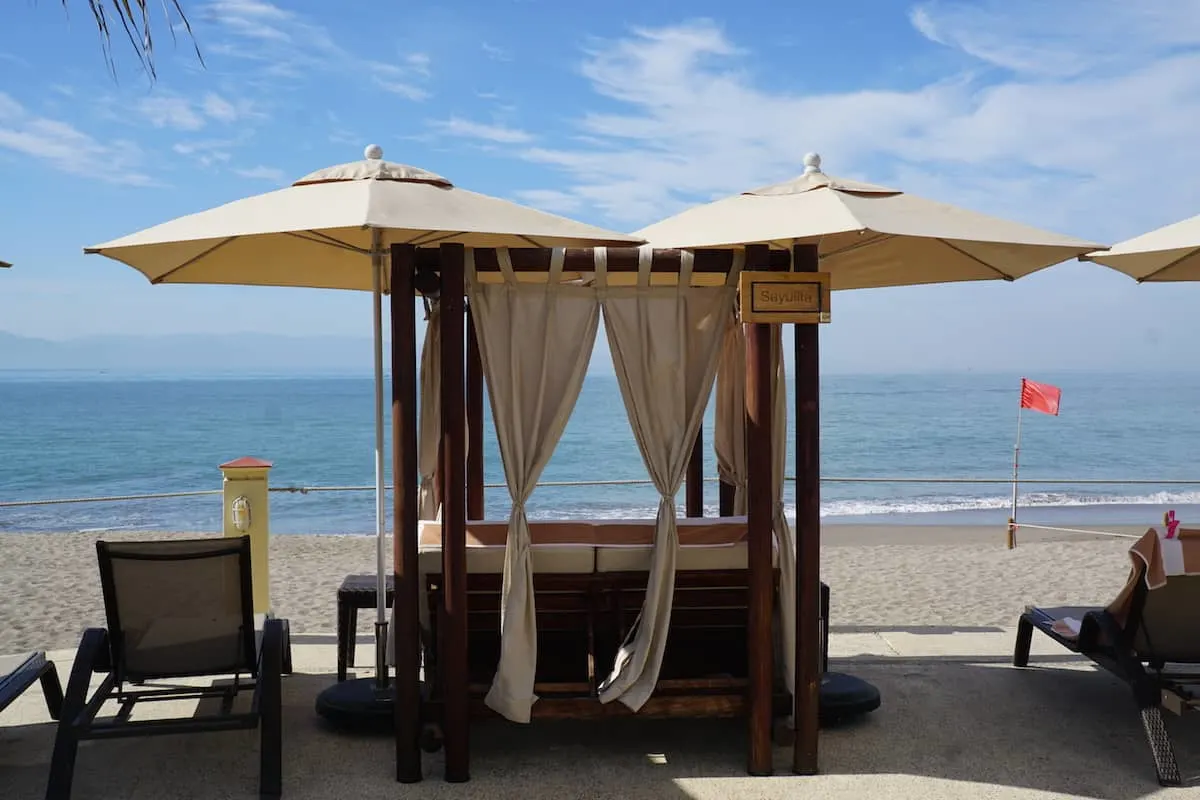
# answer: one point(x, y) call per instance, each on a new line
point(781, 297)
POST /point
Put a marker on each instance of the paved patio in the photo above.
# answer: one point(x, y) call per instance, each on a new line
point(956, 721)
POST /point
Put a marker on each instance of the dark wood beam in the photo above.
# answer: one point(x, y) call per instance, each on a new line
point(728, 490)
point(407, 633)
point(808, 530)
point(456, 719)
point(695, 476)
point(620, 259)
point(475, 495)
point(759, 509)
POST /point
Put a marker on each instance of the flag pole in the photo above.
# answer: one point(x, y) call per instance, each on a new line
point(1012, 520)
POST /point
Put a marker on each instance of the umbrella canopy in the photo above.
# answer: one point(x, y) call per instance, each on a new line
point(1170, 253)
point(316, 232)
point(869, 235)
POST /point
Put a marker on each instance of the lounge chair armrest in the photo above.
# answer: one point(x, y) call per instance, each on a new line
point(271, 650)
point(92, 656)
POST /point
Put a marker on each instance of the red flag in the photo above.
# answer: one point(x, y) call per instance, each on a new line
point(1040, 396)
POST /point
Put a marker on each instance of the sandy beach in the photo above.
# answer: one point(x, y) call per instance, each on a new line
point(884, 577)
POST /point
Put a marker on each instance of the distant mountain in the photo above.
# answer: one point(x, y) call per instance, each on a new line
point(189, 353)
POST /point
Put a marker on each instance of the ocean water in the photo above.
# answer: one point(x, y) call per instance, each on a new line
point(81, 434)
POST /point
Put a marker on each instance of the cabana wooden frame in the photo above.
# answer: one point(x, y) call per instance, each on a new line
point(461, 491)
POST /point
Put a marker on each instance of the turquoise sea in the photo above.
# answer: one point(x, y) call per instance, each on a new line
point(83, 434)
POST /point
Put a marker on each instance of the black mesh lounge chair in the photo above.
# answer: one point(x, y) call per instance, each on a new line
point(1161, 627)
point(18, 673)
point(176, 609)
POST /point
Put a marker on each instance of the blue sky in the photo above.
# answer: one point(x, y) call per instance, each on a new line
point(1078, 116)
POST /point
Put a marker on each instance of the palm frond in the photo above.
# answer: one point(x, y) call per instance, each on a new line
point(134, 17)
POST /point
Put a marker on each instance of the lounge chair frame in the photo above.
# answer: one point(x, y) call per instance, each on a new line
point(267, 658)
point(1112, 646)
point(33, 668)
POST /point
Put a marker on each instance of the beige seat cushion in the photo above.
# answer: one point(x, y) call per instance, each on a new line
point(691, 558)
point(560, 559)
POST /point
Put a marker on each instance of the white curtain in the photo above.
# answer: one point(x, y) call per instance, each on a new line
point(729, 434)
point(784, 538)
point(535, 341)
point(665, 341)
point(429, 427)
point(730, 444)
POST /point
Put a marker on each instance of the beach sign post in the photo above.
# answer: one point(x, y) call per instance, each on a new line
point(1037, 397)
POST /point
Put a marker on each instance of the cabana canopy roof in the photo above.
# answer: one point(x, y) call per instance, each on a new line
point(316, 232)
point(869, 236)
point(1169, 253)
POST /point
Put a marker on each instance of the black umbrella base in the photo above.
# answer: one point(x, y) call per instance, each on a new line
point(845, 696)
point(358, 706)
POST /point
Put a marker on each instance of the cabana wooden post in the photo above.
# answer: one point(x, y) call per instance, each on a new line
point(760, 516)
point(805, 258)
point(404, 508)
point(460, 598)
point(453, 654)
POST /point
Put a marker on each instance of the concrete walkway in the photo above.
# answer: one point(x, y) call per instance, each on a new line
point(956, 721)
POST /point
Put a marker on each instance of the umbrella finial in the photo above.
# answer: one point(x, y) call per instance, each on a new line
point(373, 151)
point(812, 163)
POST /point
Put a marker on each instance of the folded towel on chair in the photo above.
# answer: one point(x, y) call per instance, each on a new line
point(1156, 556)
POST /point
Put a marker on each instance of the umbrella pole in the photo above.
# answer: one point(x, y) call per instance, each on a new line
point(381, 625)
point(369, 703)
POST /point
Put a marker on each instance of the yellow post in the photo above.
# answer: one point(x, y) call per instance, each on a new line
point(247, 512)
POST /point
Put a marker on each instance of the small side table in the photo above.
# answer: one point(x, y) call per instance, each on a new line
point(356, 591)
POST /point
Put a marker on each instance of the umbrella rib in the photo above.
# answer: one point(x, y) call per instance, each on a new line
point(162, 278)
point(977, 260)
point(1171, 265)
point(874, 240)
point(434, 237)
point(323, 238)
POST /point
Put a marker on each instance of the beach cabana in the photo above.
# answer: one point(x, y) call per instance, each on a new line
point(613, 592)
point(1167, 254)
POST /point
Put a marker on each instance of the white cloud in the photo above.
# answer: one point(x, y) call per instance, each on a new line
point(496, 53)
point(219, 108)
point(207, 152)
point(262, 173)
point(180, 113)
point(1081, 150)
point(501, 134)
point(1062, 38)
point(170, 112)
point(418, 63)
point(65, 148)
point(289, 45)
point(403, 80)
point(550, 200)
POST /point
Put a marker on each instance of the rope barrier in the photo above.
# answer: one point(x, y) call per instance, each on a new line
point(113, 498)
point(1077, 530)
point(627, 482)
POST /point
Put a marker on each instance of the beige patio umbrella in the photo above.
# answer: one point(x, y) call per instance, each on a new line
point(869, 236)
point(331, 230)
point(866, 236)
point(1169, 253)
